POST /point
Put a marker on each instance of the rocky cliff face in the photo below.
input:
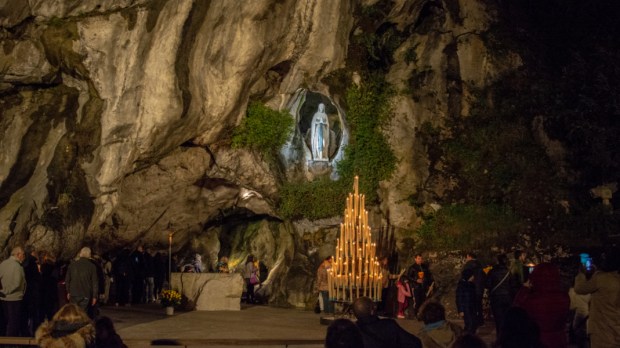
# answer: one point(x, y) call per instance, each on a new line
point(116, 118)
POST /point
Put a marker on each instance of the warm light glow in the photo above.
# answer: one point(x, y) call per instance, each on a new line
point(354, 273)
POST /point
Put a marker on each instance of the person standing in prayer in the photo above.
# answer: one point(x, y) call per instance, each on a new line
point(13, 281)
point(82, 281)
point(322, 285)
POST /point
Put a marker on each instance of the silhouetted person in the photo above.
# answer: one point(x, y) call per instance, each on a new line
point(479, 281)
point(466, 300)
point(93, 310)
point(165, 342)
point(121, 272)
point(518, 330)
point(138, 272)
point(160, 267)
point(518, 269)
point(32, 316)
point(378, 332)
point(106, 335)
point(546, 303)
point(469, 341)
point(500, 290)
point(437, 331)
point(343, 333)
point(49, 285)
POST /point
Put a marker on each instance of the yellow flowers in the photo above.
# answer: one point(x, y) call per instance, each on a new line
point(170, 298)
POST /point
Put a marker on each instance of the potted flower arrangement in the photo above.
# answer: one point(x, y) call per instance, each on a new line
point(170, 299)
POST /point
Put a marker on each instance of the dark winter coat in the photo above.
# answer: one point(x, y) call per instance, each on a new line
point(82, 279)
point(379, 333)
point(499, 284)
point(479, 275)
point(465, 296)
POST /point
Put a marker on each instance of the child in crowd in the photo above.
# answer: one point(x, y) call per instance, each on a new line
point(404, 291)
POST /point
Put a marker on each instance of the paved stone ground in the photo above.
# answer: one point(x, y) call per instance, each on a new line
point(140, 324)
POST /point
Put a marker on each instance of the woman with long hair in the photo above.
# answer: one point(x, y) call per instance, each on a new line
point(69, 327)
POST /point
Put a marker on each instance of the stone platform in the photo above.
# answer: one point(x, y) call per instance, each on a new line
point(210, 291)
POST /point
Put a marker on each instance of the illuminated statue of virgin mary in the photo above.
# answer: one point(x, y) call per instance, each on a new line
point(320, 135)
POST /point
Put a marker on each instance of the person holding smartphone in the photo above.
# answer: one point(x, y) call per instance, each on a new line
point(604, 286)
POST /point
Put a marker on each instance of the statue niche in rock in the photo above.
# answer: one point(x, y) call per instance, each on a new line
point(318, 141)
point(320, 135)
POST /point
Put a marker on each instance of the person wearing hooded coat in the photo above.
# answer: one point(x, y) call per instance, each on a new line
point(70, 327)
point(437, 331)
point(546, 303)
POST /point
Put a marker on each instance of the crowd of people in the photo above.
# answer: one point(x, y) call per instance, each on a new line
point(530, 306)
point(34, 285)
point(54, 302)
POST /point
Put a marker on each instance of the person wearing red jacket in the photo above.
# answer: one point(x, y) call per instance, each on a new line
point(547, 304)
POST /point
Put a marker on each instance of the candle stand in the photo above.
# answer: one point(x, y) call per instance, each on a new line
point(355, 270)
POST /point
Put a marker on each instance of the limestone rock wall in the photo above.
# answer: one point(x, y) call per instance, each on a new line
point(116, 117)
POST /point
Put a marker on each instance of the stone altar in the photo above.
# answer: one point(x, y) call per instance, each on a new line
point(210, 291)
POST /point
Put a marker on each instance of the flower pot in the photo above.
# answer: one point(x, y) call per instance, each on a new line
point(169, 310)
